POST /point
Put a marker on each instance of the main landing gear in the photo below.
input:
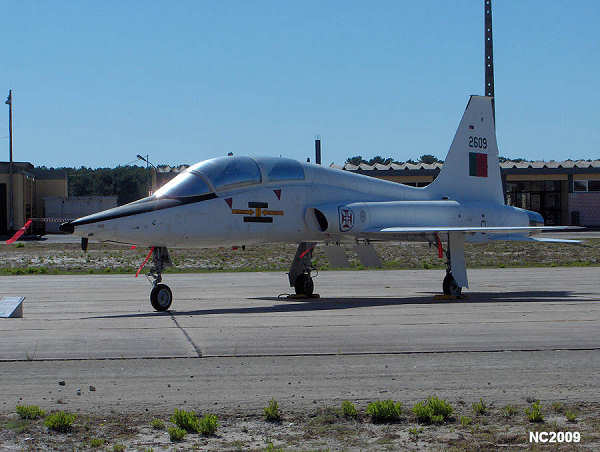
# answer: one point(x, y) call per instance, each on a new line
point(301, 268)
point(456, 272)
point(161, 296)
point(450, 286)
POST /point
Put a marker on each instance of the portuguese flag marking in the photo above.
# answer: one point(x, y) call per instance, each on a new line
point(478, 164)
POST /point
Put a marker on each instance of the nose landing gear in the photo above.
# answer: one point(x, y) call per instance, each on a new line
point(161, 296)
point(300, 270)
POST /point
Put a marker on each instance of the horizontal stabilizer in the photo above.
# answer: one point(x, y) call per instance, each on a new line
point(525, 238)
point(551, 240)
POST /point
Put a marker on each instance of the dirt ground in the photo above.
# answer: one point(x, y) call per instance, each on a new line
point(38, 257)
point(322, 428)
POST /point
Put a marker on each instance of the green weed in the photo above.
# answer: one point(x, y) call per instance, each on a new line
point(208, 424)
point(509, 411)
point(432, 410)
point(479, 408)
point(60, 421)
point(176, 433)
point(118, 448)
point(271, 411)
point(465, 420)
point(534, 413)
point(384, 410)
point(29, 411)
point(348, 409)
point(415, 432)
point(571, 416)
point(186, 420)
point(157, 424)
point(96, 442)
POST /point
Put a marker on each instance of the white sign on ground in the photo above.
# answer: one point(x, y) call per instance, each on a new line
point(11, 307)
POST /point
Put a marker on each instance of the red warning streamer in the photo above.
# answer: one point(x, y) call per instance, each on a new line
point(439, 245)
point(145, 262)
point(19, 233)
point(306, 252)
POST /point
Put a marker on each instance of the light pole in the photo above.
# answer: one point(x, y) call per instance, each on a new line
point(11, 212)
point(146, 159)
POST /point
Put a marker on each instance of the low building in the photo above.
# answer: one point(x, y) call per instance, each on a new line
point(73, 207)
point(30, 186)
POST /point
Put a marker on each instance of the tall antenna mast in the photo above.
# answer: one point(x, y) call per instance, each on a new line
point(489, 51)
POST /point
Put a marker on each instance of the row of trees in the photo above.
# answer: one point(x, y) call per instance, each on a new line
point(426, 158)
point(128, 183)
point(357, 160)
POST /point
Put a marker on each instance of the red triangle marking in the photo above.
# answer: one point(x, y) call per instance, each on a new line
point(229, 202)
point(277, 193)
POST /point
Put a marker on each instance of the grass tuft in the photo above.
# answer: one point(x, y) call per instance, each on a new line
point(348, 409)
point(479, 408)
point(157, 424)
point(208, 424)
point(558, 407)
point(384, 410)
point(96, 442)
point(432, 410)
point(534, 413)
point(60, 421)
point(465, 420)
point(509, 411)
point(176, 433)
point(29, 411)
point(414, 432)
point(187, 420)
point(571, 416)
point(271, 411)
point(118, 448)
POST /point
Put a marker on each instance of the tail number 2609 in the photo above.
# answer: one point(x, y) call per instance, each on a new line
point(478, 142)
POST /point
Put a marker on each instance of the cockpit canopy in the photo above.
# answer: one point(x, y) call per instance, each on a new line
point(225, 173)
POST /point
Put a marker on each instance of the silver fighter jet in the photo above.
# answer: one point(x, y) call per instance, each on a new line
point(241, 200)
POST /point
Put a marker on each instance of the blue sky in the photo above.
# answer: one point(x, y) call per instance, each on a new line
point(96, 83)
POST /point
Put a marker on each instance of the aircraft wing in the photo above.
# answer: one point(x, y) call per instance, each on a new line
point(488, 229)
point(496, 233)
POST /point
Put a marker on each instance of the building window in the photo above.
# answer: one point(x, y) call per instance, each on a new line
point(580, 185)
point(594, 185)
point(586, 185)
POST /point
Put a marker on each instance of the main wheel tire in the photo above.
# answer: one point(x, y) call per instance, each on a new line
point(304, 285)
point(161, 297)
point(450, 286)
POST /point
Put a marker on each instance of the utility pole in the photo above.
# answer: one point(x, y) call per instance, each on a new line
point(318, 150)
point(489, 53)
point(148, 175)
point(11, 213)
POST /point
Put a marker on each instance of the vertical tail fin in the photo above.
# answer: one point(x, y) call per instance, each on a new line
point(471, 171)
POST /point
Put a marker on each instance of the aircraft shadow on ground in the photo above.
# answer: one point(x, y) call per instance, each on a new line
point(283, 305)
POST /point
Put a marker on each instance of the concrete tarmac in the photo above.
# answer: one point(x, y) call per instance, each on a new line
point(230, 341)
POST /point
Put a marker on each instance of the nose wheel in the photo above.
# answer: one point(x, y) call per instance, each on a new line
point(161, 297)
point(304, 285)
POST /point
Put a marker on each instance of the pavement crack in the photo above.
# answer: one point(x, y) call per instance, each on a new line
point(187, 336)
